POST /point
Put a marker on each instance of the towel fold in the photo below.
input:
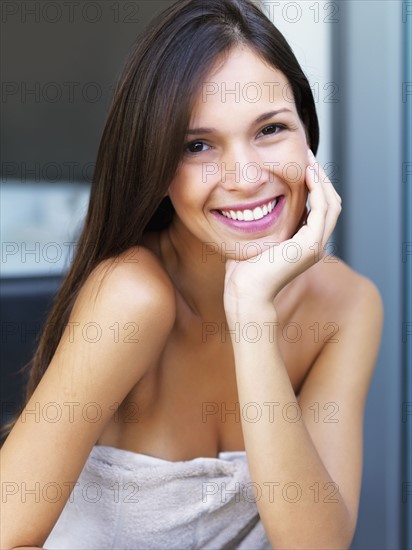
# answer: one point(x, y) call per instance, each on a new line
point(125, 500)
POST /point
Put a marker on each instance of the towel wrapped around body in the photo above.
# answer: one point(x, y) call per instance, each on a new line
point(125, 500)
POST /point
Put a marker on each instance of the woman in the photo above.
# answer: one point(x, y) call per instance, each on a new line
point(205, 366)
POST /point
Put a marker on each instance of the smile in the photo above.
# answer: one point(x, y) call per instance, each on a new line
point(249, 220)
point(250, 215)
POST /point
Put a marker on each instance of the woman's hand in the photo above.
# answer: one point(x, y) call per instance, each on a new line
point(253, 284)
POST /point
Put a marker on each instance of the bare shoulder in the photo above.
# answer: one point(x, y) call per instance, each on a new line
point(355, 305)
point(127, 303)
point(135, 280)
point(118, 326)
point(341, 289)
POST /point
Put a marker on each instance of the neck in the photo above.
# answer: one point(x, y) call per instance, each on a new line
point(197, 270)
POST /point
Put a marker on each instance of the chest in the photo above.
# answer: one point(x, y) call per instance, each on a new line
point(187, 405)
point(198, 364)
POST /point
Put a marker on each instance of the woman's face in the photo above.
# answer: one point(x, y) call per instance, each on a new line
point(246, 149)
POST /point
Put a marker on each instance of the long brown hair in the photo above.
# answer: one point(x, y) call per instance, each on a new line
point(144, 136)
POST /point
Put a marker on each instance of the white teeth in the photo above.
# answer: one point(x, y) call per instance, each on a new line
point(247, 215)
point(258, 213)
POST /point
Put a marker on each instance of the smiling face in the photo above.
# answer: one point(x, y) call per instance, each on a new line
point(242, 176)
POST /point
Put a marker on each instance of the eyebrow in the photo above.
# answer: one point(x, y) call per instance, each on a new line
point(260, 118)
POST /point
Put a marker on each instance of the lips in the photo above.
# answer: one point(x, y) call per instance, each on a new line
point(248, 214)
point(259, 219)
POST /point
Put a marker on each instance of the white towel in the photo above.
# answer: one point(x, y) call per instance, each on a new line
point(125, 500)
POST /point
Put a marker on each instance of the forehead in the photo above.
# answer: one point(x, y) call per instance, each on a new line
point(243, 77)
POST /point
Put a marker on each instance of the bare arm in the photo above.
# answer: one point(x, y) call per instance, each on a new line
point(83, 370)
point(308, 472)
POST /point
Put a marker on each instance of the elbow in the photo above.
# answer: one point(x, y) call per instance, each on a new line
point(335, 535)
point(312, 543)
point(12, 544)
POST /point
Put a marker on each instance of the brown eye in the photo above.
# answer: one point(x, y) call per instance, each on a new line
point(195, 147)
point(271, 129)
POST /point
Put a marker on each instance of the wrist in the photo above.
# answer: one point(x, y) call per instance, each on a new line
point(250, 311)
point(259, 331)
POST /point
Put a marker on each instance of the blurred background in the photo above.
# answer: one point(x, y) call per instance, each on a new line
point(59, 64)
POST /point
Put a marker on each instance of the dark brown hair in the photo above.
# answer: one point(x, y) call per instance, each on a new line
point(144, 136)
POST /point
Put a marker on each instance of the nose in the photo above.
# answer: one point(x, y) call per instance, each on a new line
point(241, 169)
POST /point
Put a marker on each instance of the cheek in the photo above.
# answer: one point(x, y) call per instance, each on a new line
point(187, 191)
point(290, 161)
point(293, 173)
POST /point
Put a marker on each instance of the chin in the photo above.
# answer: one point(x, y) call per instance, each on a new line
point(245, 250)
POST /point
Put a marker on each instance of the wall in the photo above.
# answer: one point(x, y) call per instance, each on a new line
point(368, 140)
point(359, 55)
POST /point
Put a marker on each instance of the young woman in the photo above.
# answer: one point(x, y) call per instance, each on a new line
point(201, 379)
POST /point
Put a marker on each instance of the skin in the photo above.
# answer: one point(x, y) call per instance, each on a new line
point(195, 365)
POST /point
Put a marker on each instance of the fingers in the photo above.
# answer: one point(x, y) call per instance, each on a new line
point(317, 202)
point(331, 201)
point(334, 205)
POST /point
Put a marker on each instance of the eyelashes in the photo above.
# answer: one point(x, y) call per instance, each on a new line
point(192, 144)
point(279, 127)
